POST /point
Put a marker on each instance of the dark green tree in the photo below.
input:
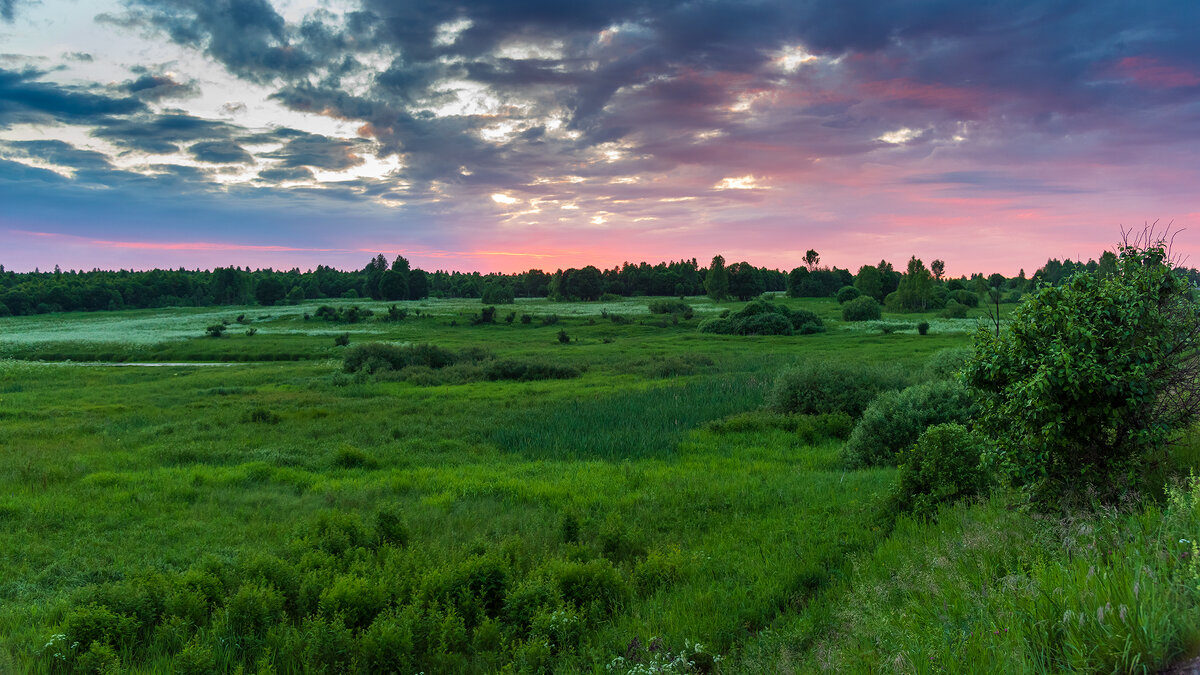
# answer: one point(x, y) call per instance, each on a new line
point(716, 281)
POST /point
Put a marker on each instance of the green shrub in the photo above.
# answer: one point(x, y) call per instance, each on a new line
point(824, 386)
point(94, 623)
point(1090, 379)
point(593, 582)
point(216, 330)
point(764, 318)
point(390, 527)
point(895, 419)
point(864, 308)
point(954, 310)
point(610, 297)
point(965, 298)
point(251, 611)
point(943, 466)
point(947, 363)
point(195, 659)
point(497, 294)
point(923, 328)
point(354, 600)
point(669, 306)
point(563, 337)
point(389, 645)
point(526, 318)
point(341, 340)
point(377, 356)
point(347, 457)
point(847, 293)
point(527, 371)
point(548, 320)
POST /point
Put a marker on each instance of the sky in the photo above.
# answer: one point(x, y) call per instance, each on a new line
point(504, 135)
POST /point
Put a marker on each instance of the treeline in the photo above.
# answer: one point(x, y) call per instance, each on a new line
point(40, 292)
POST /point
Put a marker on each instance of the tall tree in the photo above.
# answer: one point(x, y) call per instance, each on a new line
point(716, 282)
point(938, 267)
point(811, 258)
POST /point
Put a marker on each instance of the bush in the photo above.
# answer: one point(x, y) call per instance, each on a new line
point(965, 298)
point(341, 340)
point(764, 318)
point(378, 356)
point(954, 310)
point(864, 308)
point(215, 330)
point(526, 318)
point(895, 419)
point(823, 386)
point(1090, 378)
point(847, 293)
point(669, 306)
point(947, 363)
point(923, 328)
point(563, 337)
point(943, 466)
point(497, 294)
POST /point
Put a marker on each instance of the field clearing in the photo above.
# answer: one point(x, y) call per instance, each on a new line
point(646, 498)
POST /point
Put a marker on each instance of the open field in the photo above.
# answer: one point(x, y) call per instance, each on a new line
point(281, 515)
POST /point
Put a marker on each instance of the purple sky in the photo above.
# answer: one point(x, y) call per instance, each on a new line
point(513, 134)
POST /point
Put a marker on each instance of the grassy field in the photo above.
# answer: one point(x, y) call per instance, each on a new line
point(275, 514)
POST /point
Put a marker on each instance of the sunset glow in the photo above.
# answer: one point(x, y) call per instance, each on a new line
point(479, 135)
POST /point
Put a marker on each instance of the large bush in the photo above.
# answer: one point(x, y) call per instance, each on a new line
point(1090, 378)
point(823, 386)
point(847, 293)
point(863, 308)
point(943, 466)
point(764, 318)
point(895, 419)
point(377, 356)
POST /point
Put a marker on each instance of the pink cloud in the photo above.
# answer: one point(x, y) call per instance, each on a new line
point(1151, 73)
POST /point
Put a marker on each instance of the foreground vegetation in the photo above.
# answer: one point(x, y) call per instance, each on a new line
point(479, 494)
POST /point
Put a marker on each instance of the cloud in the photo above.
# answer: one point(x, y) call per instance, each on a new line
point(58, 153)
point(149, 87)
point(6, 9)
point(24, 98)
point(220, 152)
point(318, 152)
point(281, 175)
point(161, 134)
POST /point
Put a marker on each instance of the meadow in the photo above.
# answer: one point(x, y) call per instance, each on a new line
point(591, 489)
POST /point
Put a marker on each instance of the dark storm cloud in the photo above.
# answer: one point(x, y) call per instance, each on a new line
point(161, 134)
point(6, 9)
point(220, 152)
point(24, 98)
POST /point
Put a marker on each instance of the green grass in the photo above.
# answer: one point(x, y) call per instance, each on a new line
point(655, 476)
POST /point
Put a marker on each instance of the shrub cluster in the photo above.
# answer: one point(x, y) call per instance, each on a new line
point(943, 466)
point(823, 386)
point(895, 419)
point(427, 364)
point(864, 308)
point(847, 293)
point(764, 318)
point(353, 314)
point(349, 596)
point(670, 306)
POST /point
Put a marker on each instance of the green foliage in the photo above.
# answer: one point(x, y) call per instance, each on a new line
point(669, 306)
point(716, 280)
point(764, 318)
point(941, 467)
point(847, 293)
point(497, 294)
point(864, 308)
point(954, 310)
point(341, 340)
point(216, 330)
point(923, 328)
point(817, 387)
point(376, 356)
point(947, 363)
point(895, 419)
point(915, 293)
point(1090, 378)
point(563, 337)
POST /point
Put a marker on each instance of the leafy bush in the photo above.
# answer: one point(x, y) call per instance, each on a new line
point(1090, 378)
point(563, 337)
point(764, 318)
point(669, 306)
point(947, 363)
point(943, 466)
point(847, 293)
point(376, 356)
point(527, 371)
point(954, 310)
point(817, 387)
point(215, 330)
point(526, 318)
point(864, 308)
point(497, 294)
point(923, 328)
point(965, 298)
point(341, 340)
point(895, 419)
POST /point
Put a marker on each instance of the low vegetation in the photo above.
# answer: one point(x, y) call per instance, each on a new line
point(635, 485)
